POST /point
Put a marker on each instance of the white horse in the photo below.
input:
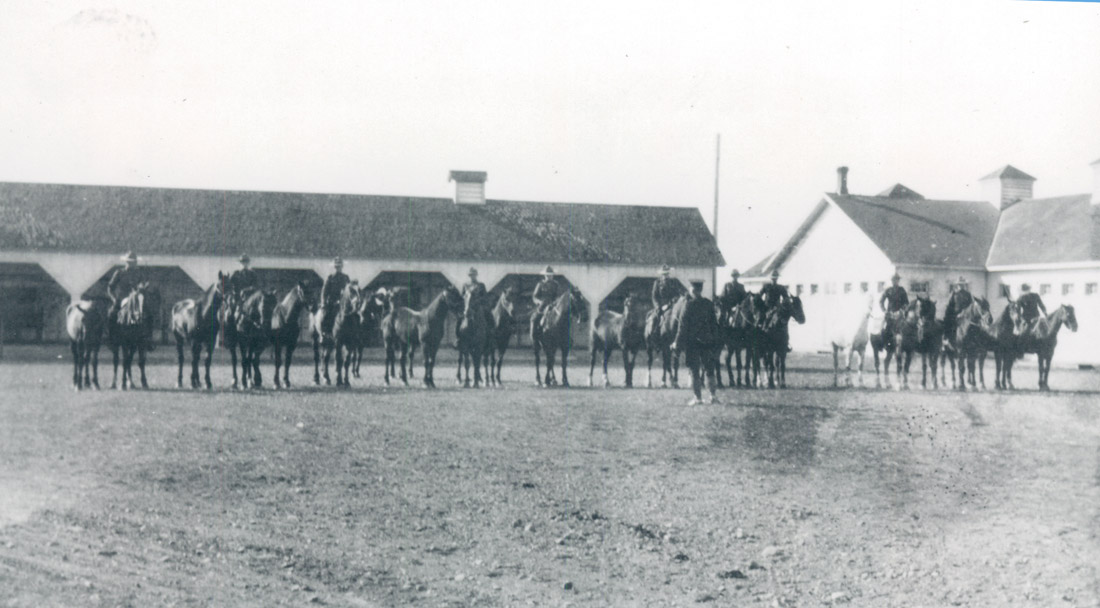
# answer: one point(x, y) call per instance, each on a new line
point(858, 327)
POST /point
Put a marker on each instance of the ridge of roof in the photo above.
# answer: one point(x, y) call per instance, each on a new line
point(900, 190)
point(1010, 172)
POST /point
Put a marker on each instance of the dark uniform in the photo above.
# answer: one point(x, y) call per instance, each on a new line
point(772, 294)
point(959, 301)
point(665, 292)
point(544, 295)
point(244, 280)
point(1030, 306)
point(896, 297)
point(697, 338)
point(732, 295)
point(475, 286)
point(122, 282)
point(330, 296)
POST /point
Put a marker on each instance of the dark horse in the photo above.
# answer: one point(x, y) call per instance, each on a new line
point(86, 323)
point(502, 324)
point(776, 338)
point(472, 334)
point(285, 329)
point(928, 339)
point(253, 333)
point(405, 329)
point(343, 340)
point(970, 341)
point(741, 334)
point(196, 321)
point(555, 333)
point(1001, 338)
point(610, 331)
point(658, 339)
point(130, 331)
point(1042, 338)
point(372, 307)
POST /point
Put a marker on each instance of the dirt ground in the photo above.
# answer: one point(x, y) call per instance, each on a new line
point(520, 496)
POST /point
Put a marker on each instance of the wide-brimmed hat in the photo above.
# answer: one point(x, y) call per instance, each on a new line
point(473, 272)
point(129, 256)
point(337, 261)
point(665, 269)
point(1025, 287)
point(735, 273)
point(775, 274)
point(244, 259)
point(548, 272)
point(962, 281)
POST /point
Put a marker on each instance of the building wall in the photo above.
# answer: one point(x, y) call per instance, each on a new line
point(1073, 348)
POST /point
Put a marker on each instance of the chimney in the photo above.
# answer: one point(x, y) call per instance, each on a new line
point(1095, 182)
point(842, 180)
point(469, 187)
point(1007, 186)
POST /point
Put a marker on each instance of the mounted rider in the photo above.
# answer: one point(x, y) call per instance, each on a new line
point(733, 293)
point(1031, 308)
point(475, 287)
point(331, 291)
point(244, 280)
point(893, 302)
point(772, 294)
point(959, 301)
point(664, 294)
point(697, 337)
point(546, 292)
point(122, 283)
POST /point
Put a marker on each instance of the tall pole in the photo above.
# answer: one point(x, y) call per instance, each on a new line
point(717, 158)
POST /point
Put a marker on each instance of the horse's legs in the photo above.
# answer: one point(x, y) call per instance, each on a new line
point(196, 353)
point(114, 363)
point(339, 348)
point(404, 360)
point(141, 366)
point(316, 361)
point(277, 350)
point(564, 365)
point(327, 357)
point(649, 367)
point(675, 369)
point(592, 361)
point(78, 381)
point(179, 360)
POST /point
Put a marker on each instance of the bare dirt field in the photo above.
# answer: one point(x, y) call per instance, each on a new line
point(520, 496)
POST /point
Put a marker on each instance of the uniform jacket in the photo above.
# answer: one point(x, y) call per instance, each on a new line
point(732, 295)
point(334, 286)
point(1030, 304)
point(242, 279)
point(772, 293)
point(665, 291)
point(698, 326)
point(546, 292)
point(122, 282)
point(474, 285)
point(897, 298)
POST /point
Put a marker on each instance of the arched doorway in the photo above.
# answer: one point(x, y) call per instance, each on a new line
point(524, 286)
point(421, 288)
point(174, 285)
point(32, 305)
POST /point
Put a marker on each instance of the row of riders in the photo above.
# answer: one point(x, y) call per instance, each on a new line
point(965, 335)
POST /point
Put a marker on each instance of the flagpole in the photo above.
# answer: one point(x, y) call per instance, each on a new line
point(717, 159)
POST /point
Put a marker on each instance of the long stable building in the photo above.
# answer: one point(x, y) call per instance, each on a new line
point(849, 245)
point(61, 242)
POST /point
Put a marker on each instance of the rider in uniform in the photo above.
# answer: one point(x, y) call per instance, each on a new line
point(959, 301)
point(772, 294)
point(330, 294)
point(696, 337)
point(474, 286)
point(244, 280)
point(732, 295)
point(1031, 307)
point(893, 303)
point(123, 281)
point(664, 294)
point(544, 295)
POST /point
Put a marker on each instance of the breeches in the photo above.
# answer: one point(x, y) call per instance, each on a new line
point(701, 362)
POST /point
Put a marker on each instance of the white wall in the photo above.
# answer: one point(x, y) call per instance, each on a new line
point(1080, 347)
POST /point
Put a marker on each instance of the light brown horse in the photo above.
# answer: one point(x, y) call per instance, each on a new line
point(1042, 338)
point(502, 324)
point(86, 323)
point(372, 307)
point(196, 321)
point(658, 339)
point(555, 333)
point(407, 329)
point(612, 330)
point(343, 339)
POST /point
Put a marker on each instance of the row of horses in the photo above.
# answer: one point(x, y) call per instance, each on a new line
point(961, 341)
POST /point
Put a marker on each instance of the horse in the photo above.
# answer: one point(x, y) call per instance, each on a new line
point(1042, 338)
point(742, 334)
point(472, 337)
point(129, 331)
point(86, 322)
point(658, 339)
point(253, 324)
point(611, 330)
point(865, 327)
point(970, 343)
point(555, 333)
point(776, 338)
point(343, 340)
point(371, 309)
point(407, 329)
point(196, 321)
point(905, 330)
point(502, 324)
point(1001, 338)
point(285, 328)
point(929, 339)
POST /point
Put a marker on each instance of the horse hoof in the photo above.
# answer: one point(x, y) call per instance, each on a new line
point(590, 381)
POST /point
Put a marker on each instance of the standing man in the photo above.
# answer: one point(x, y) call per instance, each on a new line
point(732, 295)
point(697, 337)
point(664, 294)
point(244, 279)
point(1030, 305)
point(544, 295)
point(330, 294)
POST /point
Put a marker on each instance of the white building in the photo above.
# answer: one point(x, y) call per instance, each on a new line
point(849, 246)
point(60, 242)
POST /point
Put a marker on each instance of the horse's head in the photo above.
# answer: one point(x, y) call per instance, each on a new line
point(1071, 316)
point(453, 298)
point(578, 305)
point(268, 300)
point(507, 300)
point(797, 313)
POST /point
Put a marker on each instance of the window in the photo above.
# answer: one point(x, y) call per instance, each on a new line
point(864, 286)
point(1090, 289)
point(1067, 289)
point(1044, 289)
point(798, 289)
point(847, 288)
point(813, 288)
point(881, 286)
point(830, 288)
point(919, 286)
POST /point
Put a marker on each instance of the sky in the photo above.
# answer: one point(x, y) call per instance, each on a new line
point(609, 102)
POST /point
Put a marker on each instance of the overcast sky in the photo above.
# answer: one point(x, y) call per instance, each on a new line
point(558, 101)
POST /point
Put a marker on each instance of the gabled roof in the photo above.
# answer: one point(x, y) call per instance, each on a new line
point(921, 231)
point(112, 219)
point(900, 191)
point(1046, 231)
point(1008, 171)
point(759, 269)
